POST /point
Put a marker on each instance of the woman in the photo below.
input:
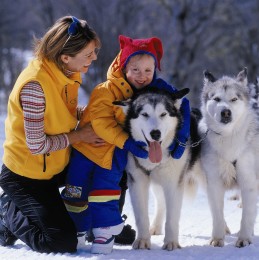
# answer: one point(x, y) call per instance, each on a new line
point(40, 127)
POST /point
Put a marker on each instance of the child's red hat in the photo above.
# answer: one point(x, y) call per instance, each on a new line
point(130, 47)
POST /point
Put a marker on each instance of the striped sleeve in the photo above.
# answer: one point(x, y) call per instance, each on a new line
point(33, 103)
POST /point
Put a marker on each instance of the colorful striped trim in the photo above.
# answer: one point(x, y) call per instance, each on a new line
point(104, 195)
point(75, 209)
point(103, 240)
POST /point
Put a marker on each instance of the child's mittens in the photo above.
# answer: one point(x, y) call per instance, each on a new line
point(177, 148)
point(136, 148)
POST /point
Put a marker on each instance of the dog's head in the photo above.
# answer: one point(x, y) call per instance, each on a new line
point(153, 116)
point(224, 100)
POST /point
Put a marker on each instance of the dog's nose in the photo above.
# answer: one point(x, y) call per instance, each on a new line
point(155, 134)
point(225, 116)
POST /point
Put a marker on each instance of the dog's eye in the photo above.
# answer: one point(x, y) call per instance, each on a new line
point(145, 114)
point(163, 114)
point(217, 99)
point(234, 99)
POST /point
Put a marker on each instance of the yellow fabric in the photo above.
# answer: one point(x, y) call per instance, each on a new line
point(107, 119)
point(61, 102)
point(75, 209)
point(103, 198)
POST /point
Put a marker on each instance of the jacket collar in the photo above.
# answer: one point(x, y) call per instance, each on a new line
point(55, 72)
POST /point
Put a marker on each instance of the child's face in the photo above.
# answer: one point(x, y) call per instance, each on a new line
point(140, 70)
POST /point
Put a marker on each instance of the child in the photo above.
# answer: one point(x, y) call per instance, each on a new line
point(92, 191)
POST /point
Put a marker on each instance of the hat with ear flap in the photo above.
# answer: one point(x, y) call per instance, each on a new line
point(130, 47)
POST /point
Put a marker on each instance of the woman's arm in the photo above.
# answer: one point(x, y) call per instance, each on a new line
point(33, 103)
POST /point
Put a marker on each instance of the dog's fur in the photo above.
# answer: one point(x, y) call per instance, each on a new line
point(254, 94)
point(154, 115)
point(230, 152)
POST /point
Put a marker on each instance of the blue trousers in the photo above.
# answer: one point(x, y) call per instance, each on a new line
point(98, 188)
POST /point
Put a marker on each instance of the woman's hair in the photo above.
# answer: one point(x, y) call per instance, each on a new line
point(58, 41)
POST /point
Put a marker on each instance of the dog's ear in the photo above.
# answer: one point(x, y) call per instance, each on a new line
point(242, 76)
point(177, 96)
point(181, 93)
point(208, 77)
point(124, 104)
point(121, 102)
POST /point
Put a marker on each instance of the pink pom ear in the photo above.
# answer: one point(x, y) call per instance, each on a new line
point(125, 45)
point(159, 50)
point(124, 41)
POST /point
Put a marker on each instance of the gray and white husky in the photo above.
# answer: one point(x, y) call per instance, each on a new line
point(153, 116)
point(229, 155)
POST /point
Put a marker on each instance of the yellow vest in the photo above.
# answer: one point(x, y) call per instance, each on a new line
point(59, 117)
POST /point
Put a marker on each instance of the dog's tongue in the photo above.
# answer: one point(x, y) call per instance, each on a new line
point(155, 152)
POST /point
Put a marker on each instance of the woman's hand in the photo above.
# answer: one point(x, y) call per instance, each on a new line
point(80, 111)
point(85, 134)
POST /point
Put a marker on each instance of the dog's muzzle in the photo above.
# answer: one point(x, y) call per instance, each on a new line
point(226, 116)
point(154, 146)
point(155, 134)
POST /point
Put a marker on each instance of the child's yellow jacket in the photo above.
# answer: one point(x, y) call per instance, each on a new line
point(106, 119)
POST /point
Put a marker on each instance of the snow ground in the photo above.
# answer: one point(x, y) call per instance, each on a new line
point(195, 231)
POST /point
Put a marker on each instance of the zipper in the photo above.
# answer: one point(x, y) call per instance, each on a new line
point(66, 93)
point(44, 161)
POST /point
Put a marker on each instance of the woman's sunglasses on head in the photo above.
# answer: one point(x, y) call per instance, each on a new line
point(73, 29)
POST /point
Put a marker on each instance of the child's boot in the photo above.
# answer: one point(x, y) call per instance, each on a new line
point(104, 238)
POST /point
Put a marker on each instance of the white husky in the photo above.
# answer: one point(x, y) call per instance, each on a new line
point(153, 117)
point(229, 155)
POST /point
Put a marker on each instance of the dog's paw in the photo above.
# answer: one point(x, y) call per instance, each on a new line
point(155, 230)
point(141, 243)
point(171, 246)
point(217, 242)
point(243, 242)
